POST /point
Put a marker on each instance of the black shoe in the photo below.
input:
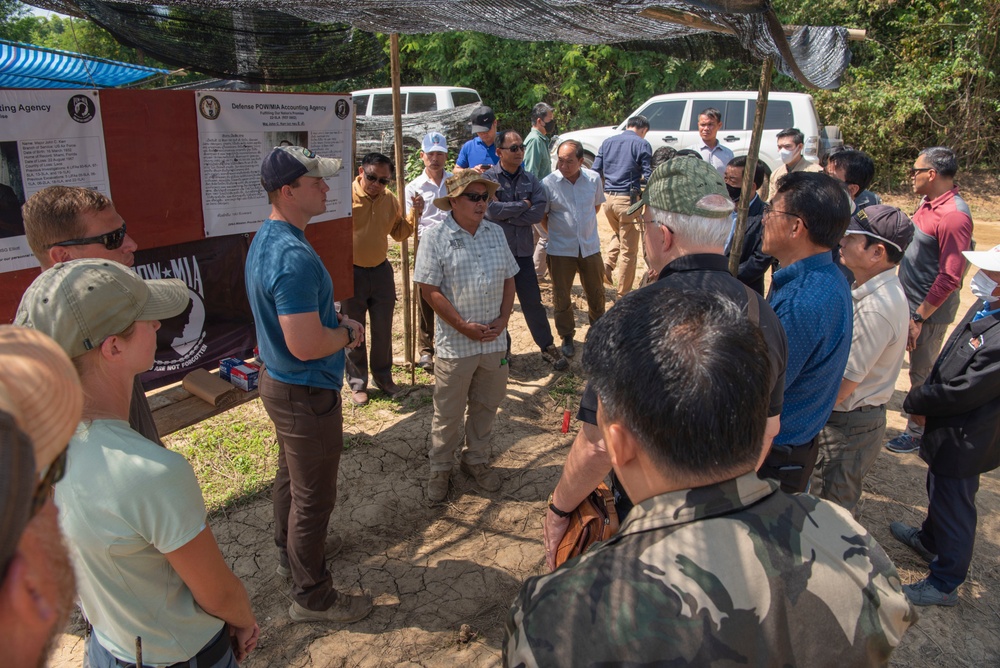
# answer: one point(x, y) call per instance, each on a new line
point(426, 363)
point(567, 348)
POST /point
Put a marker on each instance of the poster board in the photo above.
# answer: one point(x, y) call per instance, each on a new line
point(47, 137)
point(153, 169)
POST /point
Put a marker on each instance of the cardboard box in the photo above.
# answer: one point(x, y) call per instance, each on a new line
point(226, 366)
point(244, 377)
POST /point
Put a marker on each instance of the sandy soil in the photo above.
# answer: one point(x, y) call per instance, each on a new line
point(444, 577)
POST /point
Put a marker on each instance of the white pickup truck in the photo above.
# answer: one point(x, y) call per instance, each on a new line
point(673, 121)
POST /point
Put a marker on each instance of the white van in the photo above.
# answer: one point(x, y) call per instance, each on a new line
point(414, 99)
point(673, 121)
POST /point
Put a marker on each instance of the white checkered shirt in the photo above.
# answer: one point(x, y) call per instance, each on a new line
point(470, 271)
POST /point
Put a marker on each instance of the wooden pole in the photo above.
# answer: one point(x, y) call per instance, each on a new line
point(749, 188)
point(397, 122)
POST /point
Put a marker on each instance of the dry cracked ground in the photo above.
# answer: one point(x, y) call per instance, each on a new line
point(443, 577)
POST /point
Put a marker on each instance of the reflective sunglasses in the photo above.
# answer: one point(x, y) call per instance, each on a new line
point(373, 178)
point(57, 469)
point(513, 148)
point(476, 197)
point(111, 240)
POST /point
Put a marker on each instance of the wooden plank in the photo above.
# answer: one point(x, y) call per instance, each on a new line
point(174, 408)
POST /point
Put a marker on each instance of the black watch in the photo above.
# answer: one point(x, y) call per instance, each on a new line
point(917, 318)
point(350, 334)
point(558, 512)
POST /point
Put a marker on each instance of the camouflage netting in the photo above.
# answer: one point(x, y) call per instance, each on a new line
point(295, 41)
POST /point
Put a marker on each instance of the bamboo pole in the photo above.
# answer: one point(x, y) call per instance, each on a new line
point(397, 122)
point(749, 188)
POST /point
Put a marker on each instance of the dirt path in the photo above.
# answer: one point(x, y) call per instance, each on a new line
point(444, 577)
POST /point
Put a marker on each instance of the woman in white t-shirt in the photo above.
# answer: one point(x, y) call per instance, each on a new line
point(146, 562)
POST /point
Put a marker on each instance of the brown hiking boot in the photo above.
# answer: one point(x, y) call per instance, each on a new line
point(484, 476)
point(437, 486)
point(345, 609)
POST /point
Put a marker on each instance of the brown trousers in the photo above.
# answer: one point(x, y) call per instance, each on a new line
point(309, 425)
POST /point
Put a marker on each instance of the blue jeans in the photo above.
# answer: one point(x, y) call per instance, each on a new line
point(96, 656)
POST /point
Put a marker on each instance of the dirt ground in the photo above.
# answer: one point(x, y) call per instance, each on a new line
point(443, 577)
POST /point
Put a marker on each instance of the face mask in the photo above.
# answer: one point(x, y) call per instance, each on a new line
point(983, 286)
point(734, 193)
point(550, 127)
point(787, 156)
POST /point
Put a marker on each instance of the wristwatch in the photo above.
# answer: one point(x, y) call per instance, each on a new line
point(350, 334)
point(917, 318)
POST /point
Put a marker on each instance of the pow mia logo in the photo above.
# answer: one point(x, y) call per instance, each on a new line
point(209, 107)
point(342, 109)
point(81, 108)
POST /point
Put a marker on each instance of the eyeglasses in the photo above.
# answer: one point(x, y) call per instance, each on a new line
point(916, 170)
point(111, 240)
point(57, 469)
point(513, 148)
point(768, 210)
point(381, 181)
point(475, 197)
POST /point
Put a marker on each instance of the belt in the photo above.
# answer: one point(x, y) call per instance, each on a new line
point(211, 654)
point(866, 409)
point(617, 192)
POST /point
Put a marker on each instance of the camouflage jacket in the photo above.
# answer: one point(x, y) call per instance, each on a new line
point(733, 574)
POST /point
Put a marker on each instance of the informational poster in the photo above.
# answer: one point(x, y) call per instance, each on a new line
point(47, 138)
point(218, 322)
point(236, 131)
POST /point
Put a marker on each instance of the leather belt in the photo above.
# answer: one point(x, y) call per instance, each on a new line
point(211, 654)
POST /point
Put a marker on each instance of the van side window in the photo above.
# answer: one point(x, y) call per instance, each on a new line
point(732, 113)
point(462, 97)
point(665, 116)
point(418, 102)
point(382, 103)
point(360, 105)
point(778, 116)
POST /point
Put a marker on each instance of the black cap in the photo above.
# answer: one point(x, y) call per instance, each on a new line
point(482, 119)
point(885, 223)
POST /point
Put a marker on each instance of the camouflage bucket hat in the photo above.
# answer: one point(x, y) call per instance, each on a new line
point(678, 185)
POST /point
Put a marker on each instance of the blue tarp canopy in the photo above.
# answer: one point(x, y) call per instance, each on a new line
point(27, 66)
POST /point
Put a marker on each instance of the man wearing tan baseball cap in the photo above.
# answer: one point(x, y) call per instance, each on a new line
point(40, 403)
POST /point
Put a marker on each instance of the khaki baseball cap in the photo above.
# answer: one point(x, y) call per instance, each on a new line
point(83, 302)
point(40, 388)
point(680, 184)
point(457, 184)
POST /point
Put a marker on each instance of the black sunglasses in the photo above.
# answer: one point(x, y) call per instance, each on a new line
point(476, 197)
point(111, 240)
point(373, 178)
point(916, 170)
point(513, 148)
point(57, 469)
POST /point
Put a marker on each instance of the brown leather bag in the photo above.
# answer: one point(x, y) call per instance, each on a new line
point(592, 521)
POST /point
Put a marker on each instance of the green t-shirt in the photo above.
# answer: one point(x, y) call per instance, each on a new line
point(124, 503)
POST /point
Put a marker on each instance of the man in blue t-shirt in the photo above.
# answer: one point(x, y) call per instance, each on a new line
point(480, 152)
point(302, 341)
point(806, 218)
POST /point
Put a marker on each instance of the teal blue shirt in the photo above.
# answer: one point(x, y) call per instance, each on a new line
point(285, 276)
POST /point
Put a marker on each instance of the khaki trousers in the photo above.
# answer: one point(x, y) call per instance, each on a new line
point(469, 390)
point(922, 359)
point(625, 241)
point(563, 270)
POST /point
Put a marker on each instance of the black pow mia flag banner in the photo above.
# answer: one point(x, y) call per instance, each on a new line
point(217, 323)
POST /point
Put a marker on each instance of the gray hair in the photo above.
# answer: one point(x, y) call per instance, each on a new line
point(540, 111)
point(699, 230)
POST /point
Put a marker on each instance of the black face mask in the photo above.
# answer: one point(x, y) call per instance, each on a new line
point(734, 193)
point(550, 127)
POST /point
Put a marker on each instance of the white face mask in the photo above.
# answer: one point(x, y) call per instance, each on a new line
point(983, 286)
point(786, 155)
